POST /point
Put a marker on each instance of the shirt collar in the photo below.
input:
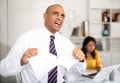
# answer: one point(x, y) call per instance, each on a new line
point(48, 33)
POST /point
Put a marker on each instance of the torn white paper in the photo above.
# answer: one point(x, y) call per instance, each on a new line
point(67, 61)
point(42, 64)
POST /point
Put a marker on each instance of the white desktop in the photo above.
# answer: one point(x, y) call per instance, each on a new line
point(102, 76)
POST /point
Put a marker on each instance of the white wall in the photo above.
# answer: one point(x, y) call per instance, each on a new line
point(105, 3)
point(3, 28)
point(4, 38)
point(24, 15)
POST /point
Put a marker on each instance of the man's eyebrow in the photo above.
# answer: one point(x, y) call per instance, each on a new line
point(58, 12)
point(55, 12)
point(52, 12)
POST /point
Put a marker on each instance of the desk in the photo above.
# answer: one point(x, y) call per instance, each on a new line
point(81, 79)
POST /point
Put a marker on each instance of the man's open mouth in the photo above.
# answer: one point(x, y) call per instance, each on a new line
point(58, 23)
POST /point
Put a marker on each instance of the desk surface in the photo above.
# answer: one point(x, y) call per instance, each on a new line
point(81, 79)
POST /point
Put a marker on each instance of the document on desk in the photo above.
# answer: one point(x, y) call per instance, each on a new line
point(90, 71)
point(43, 63)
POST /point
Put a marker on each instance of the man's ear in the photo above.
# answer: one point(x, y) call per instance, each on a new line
point(44, 16)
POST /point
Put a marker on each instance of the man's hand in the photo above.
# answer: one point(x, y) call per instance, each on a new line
point(78, 54)
point(28, 53)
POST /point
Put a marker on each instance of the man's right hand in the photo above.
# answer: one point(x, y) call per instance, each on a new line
point(30, 52)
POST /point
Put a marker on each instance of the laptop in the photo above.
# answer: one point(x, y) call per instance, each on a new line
point(93, 74)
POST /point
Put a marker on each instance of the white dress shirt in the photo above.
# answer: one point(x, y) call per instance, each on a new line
point(38, 38)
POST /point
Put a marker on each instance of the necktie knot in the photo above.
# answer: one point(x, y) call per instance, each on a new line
point(52, 37)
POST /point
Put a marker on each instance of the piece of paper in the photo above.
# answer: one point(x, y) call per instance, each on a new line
point(67, 61)
point(42, 64)
point(90, 71)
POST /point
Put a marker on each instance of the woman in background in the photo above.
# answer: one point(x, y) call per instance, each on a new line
point(91, 54)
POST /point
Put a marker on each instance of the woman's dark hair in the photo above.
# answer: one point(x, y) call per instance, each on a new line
point(85, 42)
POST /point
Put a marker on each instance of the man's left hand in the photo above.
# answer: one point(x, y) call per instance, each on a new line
point(78, 54)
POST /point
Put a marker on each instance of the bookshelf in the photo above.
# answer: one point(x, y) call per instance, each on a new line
point(106, 15)
point(104, 26)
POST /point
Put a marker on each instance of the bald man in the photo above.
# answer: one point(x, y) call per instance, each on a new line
point(45, 39)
